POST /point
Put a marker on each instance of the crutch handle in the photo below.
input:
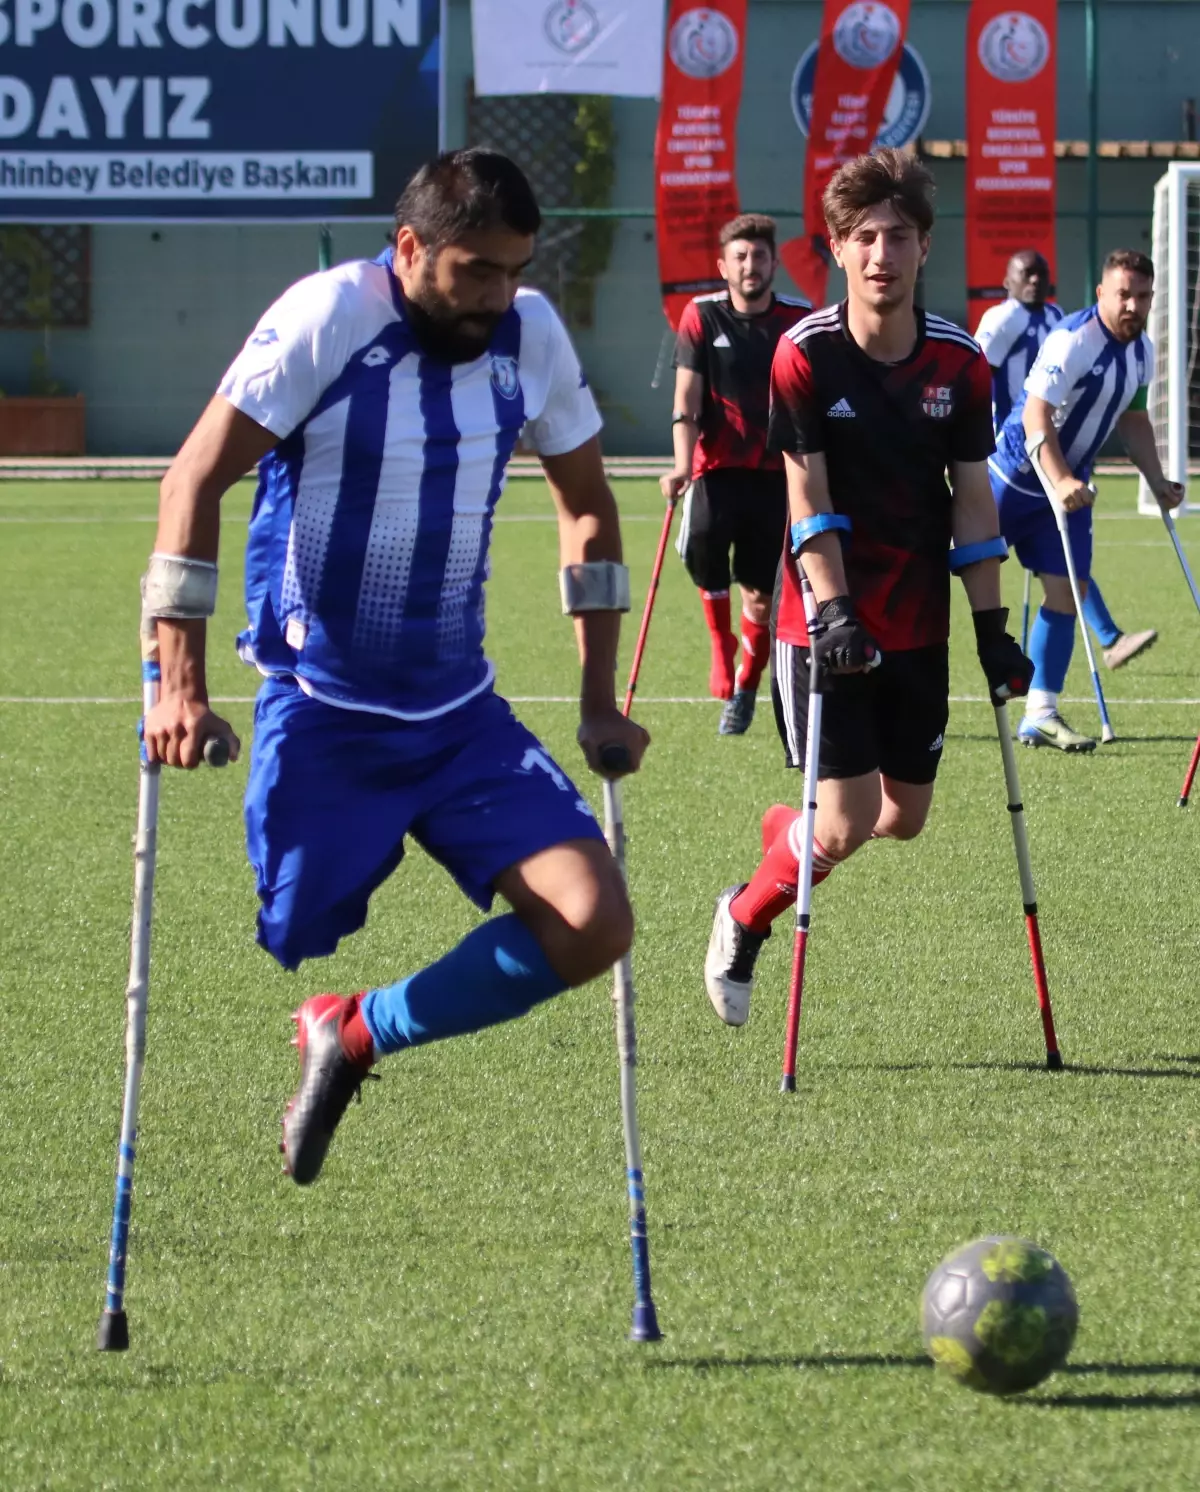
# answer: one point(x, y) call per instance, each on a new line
point(616, 759)
point(216, 751)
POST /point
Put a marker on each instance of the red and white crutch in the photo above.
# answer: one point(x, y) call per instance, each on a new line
point(644, 630)
point(1016, 811)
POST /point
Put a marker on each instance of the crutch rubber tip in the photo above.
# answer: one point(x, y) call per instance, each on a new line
point(113, 1335)
point(1108, 734)
point(1054, 1062)
point(645, 1323)
point(788, 1085)
point(1183, 802)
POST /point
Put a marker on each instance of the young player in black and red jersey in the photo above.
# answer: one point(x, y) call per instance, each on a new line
point(872, 403)
point(738, 497)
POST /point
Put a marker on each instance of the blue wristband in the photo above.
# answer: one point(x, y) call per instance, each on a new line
point(963, 555)
point(819, 523)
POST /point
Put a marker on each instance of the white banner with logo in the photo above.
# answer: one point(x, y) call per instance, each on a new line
point(568, 46)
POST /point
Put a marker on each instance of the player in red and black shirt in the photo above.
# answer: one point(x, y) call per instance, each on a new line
point(737, 495)
point(873, 403)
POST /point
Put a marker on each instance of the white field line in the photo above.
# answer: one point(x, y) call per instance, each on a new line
point(153, 518)
point(541, 699)
point(1163, 543)
point(499, 518)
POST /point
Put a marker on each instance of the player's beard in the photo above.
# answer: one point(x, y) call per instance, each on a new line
point(1130, 328)
point(754, 287)
point(446, 334)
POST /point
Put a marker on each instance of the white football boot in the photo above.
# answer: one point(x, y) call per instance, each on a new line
point(729, 965)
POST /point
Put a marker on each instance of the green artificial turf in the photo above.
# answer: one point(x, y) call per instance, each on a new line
point(447, 1307)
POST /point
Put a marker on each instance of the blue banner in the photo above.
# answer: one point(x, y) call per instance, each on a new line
point(248, 110)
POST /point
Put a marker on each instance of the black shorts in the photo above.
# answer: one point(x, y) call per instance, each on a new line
point(892, 720)
point(734, 508)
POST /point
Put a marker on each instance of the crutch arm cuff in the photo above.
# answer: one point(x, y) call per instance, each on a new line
point(963, 555)
point(820, 523)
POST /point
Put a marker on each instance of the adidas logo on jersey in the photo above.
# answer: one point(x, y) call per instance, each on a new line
point(722, 340)
point(841, 411)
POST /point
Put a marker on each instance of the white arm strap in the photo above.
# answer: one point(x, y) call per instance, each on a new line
point(598, 585)
point(177, 586)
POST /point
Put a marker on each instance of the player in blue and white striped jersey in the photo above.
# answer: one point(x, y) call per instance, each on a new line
point(1090, 378)
point(382, 401)
point(1011, 335)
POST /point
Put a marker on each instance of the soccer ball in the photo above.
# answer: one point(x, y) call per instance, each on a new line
point(999, 1315)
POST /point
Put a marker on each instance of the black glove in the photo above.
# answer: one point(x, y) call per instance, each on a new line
point(1005, 667)
point(843, 644)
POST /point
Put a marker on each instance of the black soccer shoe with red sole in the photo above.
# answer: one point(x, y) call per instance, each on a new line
point(329, 1079)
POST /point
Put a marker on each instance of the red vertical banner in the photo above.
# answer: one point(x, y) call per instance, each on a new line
point(1011, 107)
point(860, 49)
point(695, 148)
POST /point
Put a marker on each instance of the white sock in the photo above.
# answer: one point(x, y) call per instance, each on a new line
point(1040, 703)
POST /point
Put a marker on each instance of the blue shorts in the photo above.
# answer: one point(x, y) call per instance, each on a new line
point(333, 792)
point(1027, 523)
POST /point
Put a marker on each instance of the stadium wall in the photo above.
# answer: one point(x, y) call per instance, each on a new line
point(171, 304)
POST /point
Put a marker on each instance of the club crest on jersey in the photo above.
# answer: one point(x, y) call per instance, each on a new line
point(937, 402)
point(504, 377)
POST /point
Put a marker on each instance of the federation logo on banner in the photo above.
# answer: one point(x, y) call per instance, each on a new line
point(1014, 47)
point(867, 34)
point(571, 25)
point(703, 43)
point(907, 106)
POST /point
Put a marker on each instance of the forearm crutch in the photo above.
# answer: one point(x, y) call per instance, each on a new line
point(1025, 612)
point(1169, 520)
point(1016, 812)
point(645, 1319)
point(113, 1333)
point(644, 629)
point(808, 820)
point(1033, 448)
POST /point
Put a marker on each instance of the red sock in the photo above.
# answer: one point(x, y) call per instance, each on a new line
point(774, 885)
point(357, 1041)
point(756, 653)
point(724, 643)
point(778, 817)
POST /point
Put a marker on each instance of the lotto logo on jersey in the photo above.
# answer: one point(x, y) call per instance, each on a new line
point(937, 402)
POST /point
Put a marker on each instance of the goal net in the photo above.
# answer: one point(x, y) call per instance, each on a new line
point(1175, 325)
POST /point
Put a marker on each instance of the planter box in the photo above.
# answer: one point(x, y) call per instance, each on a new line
point(42, 427)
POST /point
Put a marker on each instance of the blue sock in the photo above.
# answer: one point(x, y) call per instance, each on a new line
point(496, 973)
point(1051, 641)
point(1097, 616)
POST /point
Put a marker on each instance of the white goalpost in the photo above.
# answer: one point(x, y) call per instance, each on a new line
point(1174, 400)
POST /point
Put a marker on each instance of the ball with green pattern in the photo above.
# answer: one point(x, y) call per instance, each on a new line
point(999, 1315)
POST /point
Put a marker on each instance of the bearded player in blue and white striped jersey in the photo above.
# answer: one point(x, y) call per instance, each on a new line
point(1011, 335)
point(1090, 378)
point(382, 401)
